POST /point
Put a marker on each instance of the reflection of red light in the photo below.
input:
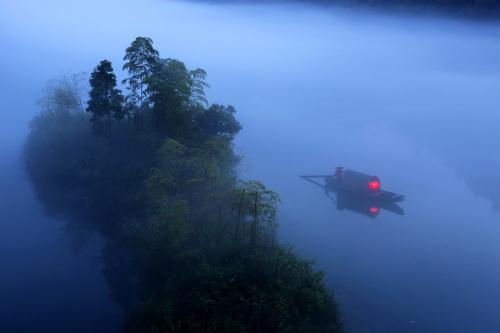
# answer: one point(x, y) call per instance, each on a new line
point(374, 185)
point(374, 210)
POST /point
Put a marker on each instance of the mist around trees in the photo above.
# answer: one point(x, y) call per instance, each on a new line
point(150, 166)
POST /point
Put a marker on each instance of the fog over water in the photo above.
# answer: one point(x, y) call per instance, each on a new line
point(415, 101)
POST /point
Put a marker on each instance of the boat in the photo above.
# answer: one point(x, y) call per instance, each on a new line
point(357, 192)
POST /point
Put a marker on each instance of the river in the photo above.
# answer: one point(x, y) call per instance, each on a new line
point(414, 101)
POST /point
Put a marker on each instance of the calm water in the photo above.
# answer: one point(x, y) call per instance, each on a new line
point(48, 283)
point(414, 101)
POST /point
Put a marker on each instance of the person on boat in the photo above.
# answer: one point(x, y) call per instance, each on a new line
point(339, 174)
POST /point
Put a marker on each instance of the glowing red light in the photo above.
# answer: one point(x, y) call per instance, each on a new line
point(374, 210)
point(374, 184)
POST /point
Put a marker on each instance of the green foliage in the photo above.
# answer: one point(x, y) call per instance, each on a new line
point(256, 207)
point(198, 86)
point(170, 89)
point(106, 100)
point(219, 121)
point(141, 58)
point(190, 247)
point(80, 175)
point(269, 290)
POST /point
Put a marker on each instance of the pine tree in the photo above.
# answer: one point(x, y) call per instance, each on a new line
point(106, 101)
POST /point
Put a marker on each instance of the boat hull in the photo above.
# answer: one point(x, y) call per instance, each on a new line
point(331, 184)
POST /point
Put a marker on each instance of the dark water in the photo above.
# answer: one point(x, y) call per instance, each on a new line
point(48, 282)
point(414, 101)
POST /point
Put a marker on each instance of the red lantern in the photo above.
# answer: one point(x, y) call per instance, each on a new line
point(374, 184)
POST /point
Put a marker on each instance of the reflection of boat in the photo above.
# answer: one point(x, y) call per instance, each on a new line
point(364, 205)
point(358, 192)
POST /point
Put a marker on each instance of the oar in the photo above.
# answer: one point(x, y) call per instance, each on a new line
point(309, 179)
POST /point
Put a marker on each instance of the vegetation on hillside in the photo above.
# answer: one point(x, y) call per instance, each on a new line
point(455, 7)
point(190, 247)
point(464, 8)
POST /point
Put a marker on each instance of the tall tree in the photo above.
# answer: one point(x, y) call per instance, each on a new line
point(141, 59)
point(106, 101)
point(170, 91)
point(198, 86)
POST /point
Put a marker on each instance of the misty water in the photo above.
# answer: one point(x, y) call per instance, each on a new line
point(414, 101)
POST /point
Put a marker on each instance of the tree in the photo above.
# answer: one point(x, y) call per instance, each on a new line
point(141, 59)
point(170, 91)
point(256, 213)
point(63, 95)
point(106, 101)
point(198, 86)
point(189, 247)
point(220, 121)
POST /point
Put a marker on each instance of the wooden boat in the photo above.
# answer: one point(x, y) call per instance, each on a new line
point(380, 195)
point(358, 192)
point(357, 183)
